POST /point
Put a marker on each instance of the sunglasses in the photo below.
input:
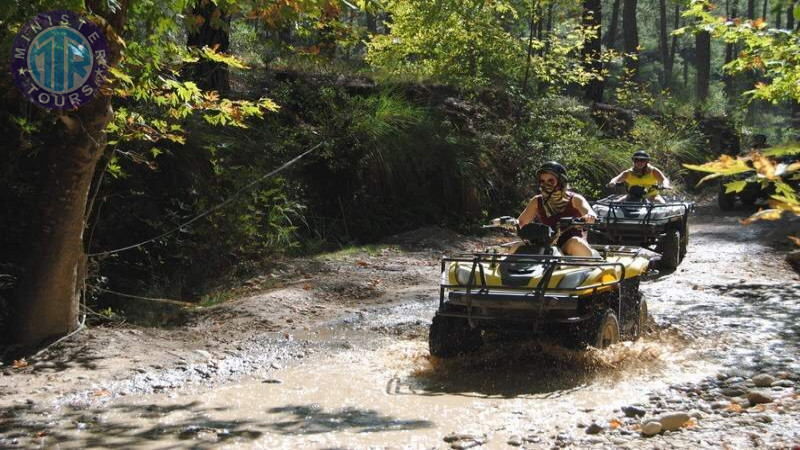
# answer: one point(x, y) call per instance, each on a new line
point(547, 181)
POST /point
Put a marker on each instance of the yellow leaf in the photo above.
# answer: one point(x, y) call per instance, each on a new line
point(19, 363)
point(763, 165)
point(794, 239)
point(724, 165)
point(765, 214)
point(614, 424)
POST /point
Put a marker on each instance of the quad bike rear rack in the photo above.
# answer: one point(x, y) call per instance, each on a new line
point(615, 206)
point(539, 297)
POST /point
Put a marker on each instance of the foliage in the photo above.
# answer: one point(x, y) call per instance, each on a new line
point(774, 53)
point(778, 167)
point(474, 43)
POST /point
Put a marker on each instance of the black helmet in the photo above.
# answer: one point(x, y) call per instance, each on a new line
point(641, 154)
point(556, 169)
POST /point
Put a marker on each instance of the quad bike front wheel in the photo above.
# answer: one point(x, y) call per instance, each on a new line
point(606, 330)
point(684, 240)
point(641, 322)
point(450, 336)
point(670, 249)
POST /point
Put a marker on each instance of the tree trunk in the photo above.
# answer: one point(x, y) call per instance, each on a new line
point(372, 23)
point(728, 79)
point(47, 299)
point(664, 44)
point(674, 45)
point(765, 10)
point(611, 36)
point(212, 33)
point(703, 64)
point(790, 16)
point(592, 47)
point(778, 18)
point(327, 30)
point(531, 26)
point(630, 34)
point(751, 9)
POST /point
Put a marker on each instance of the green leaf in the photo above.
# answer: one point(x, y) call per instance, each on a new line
point(797, 11)
point(735, 186)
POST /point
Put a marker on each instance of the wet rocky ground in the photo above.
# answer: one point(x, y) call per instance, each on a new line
point(335, 356)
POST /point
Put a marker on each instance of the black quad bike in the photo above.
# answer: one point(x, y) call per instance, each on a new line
point(529, 287)
point(632, 219)
point(755, 187)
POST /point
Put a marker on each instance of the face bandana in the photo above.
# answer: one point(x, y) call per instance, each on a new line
point(640, 173)
point(555, 200)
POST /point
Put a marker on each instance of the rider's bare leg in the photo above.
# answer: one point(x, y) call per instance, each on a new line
point(576, 246)
point(658, 199)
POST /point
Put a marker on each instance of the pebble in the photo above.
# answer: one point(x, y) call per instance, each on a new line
point(756, 398)
point(783, 383)
point(594, 428)
point(674, 421)
point(651, 428)
point(763, 418)
point(515, 441)
point(453, 437)
point(763, 380)
point(272, 381)
point(733, 392)
point(461, 445)
point(633, 411)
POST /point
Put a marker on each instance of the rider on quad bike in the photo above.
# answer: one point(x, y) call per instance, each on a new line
point(557, 202)
point(645, 175)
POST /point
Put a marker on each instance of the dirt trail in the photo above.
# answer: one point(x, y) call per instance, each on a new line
point(339, 359)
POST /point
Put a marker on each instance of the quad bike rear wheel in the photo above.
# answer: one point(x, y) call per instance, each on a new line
point(450, 336)
point(725, 200)
point(670, 249)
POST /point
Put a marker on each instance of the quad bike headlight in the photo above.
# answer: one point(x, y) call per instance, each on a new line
point(574, 279)
point(462, 274)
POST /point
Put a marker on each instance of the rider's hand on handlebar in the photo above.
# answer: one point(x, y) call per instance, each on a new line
point(588, 218)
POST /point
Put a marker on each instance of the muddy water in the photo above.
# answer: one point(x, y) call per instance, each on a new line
point(370, 383)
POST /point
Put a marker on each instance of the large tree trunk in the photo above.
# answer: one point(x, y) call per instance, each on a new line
point(664, 44)
point(630, 34)
point(790, 16)
point(764, 10)
point(703, 64)
point(47, 299)
point(778, 18)
point(611, 36)
point(751, 9)
point(592, 47)
point(213, 33)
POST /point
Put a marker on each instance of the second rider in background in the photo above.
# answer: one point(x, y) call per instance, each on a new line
point(645, 175)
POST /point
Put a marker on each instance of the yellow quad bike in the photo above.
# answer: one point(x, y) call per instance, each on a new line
point(533, 289)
